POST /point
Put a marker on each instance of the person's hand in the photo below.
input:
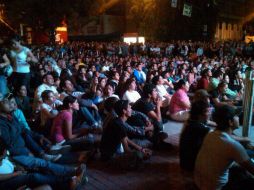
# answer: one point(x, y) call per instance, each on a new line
point(159, 102)
point(94, 107)
point(146, 152)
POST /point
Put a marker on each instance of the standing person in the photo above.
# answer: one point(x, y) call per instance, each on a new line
point(21, 56)
point(4, 61)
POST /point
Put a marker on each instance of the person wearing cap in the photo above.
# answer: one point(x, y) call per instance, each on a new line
point(219, 151)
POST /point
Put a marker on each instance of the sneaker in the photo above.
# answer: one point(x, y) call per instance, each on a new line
point(59, 149)
point(162, 136)
point(52, 158)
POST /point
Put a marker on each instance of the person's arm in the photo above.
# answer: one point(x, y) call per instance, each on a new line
point(157, 113)
point(248, 165)
point(49, 114)
point(6, 61)
point(68, 130)
point(31, 57)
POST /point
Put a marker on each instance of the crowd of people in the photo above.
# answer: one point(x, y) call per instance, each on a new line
point(113, 99)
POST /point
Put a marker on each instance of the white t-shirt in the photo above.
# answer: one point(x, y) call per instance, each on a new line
point(19, 62)
point(131, 96)
point(215, 157)
point(7, 167)
point(161, 91)
point(42, 88)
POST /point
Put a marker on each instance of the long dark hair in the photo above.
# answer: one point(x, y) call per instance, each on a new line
point(68, 100)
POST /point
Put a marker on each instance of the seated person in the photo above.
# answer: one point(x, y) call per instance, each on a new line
point(180, 103)
point(13, 177)
point(162, 91)
point(131, 94)
point(219, 151)
point(218, 96)
point(193, 134)
point(62, 130)
point(23, 101)
point(12, 136)
point(150, 105)
point(48, 111)
point(109, 146)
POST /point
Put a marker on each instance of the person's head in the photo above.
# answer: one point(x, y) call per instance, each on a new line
point(5, 107)
point(14, 42)
point(157, 80)
point(48, 96)
point(206, 73)
point(226, 117)
point(218, 74)
point(123, 108)
point(21, 91)
point(12, 101)
point(149, 91)
point(200, 110)
point(226, 79)
point(139, 66)
point(81, 70)
point(201, 95)
point(222, 87)
point(66, 85)
point(48, 79)
point(182, 84)
point(131, 84)
point(109, 89)
point(70, 102)
point(102, 82)
point(110, 103)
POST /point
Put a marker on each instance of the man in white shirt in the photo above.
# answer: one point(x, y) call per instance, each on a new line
point(219, 152)
point(48, 84)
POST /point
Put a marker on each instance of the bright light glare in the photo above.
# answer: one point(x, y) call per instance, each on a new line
point(130, 40)
point(141, 40)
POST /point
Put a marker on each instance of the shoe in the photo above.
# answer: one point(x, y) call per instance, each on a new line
point(162, 136)
point(52, 158)
point(59, 149)
point(82, 174)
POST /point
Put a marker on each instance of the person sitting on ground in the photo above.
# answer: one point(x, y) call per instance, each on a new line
point(48, 111)
point(62, 131)
point(110, 146)
point(193, 133)
point(131, 94)
point(48, 84)
point(162, 91)
point(180, 103)
point(218, 96)
point(213, 168)
point(150, 105)
point(13, 176)
point(23, 101)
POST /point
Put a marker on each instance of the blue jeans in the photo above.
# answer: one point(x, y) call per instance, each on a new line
point(32, 145)
point(37, 164)
point(35, 179)
point(91, 116)
point(3, 85)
